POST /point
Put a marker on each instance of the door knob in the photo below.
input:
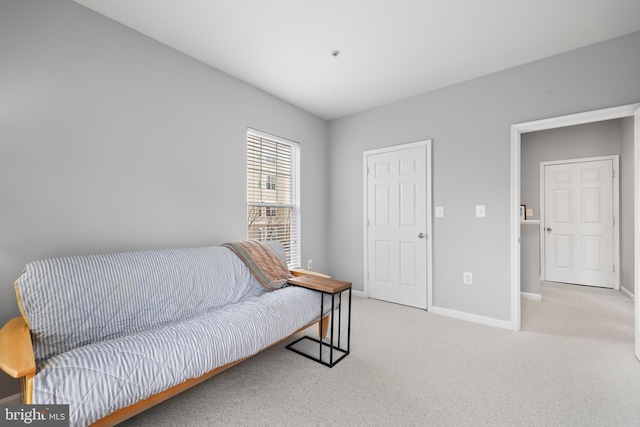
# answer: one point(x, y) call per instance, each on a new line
point(421, 235)
point(548, 228)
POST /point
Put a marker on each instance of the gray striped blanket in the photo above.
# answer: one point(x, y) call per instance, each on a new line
point(111, 330)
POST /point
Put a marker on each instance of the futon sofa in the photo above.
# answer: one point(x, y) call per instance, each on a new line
point(112, 335)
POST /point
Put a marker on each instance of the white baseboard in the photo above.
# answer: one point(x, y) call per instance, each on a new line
point(489, 321)
point(11, 400)
point(627, 293)
point(529, 295)
point(359, 294)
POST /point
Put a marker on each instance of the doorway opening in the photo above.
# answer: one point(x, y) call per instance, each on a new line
point(517, 130)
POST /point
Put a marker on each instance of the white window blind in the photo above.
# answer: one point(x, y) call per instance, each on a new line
point(273, 192)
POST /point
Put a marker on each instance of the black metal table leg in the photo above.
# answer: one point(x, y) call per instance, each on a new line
point(331, 347)
point(343, 286)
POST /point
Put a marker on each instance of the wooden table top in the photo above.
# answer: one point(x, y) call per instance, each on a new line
point(321, 284)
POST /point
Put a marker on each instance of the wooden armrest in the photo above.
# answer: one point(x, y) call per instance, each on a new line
point(16, 351)
point(303, 272)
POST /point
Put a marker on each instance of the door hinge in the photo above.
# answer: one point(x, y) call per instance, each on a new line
point(367, 222)
point(613, 173)
point(367, 170)
point(614, 220)
point(614, 268)
point(367, 274)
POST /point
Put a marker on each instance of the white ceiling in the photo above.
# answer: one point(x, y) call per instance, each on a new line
point(390, 49)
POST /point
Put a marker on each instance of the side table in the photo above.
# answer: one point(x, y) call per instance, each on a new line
point(333, 288)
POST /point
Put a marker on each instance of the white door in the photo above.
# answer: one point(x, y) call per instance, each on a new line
point(397, 237)
point(578, 223)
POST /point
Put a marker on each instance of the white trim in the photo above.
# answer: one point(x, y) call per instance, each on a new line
point(578, 118)
point(359, 294)
point(489, 321)
point(615, 159)
point(531, 296)
point(557, 122)
point(365, 225)
point(427, 144)
point(295, 240)
point(429, 172)
point(271, 136)
point(636, 214)
point(11, 400)
point(627, 293)
point(515, 228)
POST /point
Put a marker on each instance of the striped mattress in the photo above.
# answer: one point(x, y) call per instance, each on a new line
point(111, 330)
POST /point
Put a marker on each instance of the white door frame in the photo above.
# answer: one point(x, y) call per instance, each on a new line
point(429, 232)
point(616, 212)
point(552, 123)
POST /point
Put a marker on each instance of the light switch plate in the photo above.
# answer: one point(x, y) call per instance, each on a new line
point(480, 211)
point(439, 211)
point(529, 213)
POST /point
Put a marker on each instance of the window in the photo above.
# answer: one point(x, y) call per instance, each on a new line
point(270, 183)
point(273, 195)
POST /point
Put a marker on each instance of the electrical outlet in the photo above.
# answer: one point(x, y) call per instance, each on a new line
point(467, 278)
point(310, 265)
point(439, 211)
point(480, 211)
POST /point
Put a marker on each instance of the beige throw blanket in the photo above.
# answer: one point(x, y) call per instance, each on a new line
point(263, 262)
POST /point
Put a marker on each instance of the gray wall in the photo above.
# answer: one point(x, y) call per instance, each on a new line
point(530, 259)
point(627, 223)
point(574, 142)
point(111, 141)
point(470, 126)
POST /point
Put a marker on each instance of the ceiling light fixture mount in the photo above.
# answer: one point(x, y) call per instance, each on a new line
point(335, 53)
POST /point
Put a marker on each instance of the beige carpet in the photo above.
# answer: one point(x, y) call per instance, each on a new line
point(571, 365)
